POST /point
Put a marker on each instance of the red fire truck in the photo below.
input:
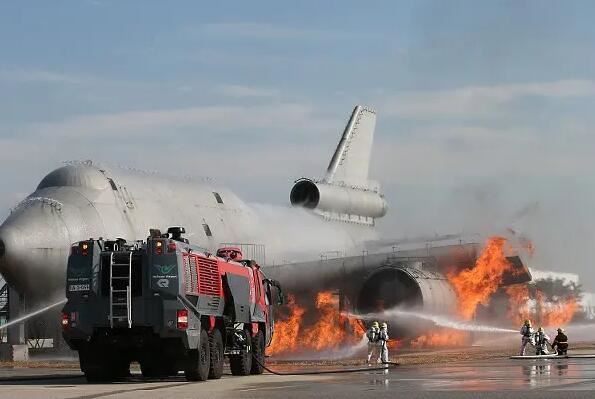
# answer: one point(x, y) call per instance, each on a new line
point(168, 305)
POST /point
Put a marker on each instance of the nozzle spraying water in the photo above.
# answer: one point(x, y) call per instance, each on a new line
point(439, 320)
point(32, 314)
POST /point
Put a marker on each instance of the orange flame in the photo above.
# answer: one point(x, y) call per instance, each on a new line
point(443, 338)
point(287, 331)
point(330, 331)
point(545, 313)
point(560, 313)
point(475, 286)
point(518, 300)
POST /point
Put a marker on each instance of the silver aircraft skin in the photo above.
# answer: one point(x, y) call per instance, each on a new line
point(83, 200)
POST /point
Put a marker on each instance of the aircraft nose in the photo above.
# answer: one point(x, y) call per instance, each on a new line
point(34, 246)
point(11, 252)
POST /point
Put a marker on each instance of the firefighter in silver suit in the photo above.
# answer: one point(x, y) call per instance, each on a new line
point(383, 343)
point(527, 333)
point(541, 342)
point(372, 335)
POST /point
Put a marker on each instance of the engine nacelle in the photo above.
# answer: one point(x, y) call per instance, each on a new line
point(409, 289)
point(338, 199)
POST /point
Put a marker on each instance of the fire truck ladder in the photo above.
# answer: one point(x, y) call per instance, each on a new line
point(120, 290)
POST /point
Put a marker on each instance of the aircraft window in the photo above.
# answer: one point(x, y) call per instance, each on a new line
point(218, 197)
point(111, 183)
point(207, 230)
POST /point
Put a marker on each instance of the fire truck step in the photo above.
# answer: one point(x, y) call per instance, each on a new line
point(117, 291)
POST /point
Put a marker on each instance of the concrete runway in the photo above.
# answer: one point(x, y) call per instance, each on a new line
point(502, 378)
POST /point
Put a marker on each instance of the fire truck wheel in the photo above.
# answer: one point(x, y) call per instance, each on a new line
point(216, 344)
point(197, 368)
point(120, 366)
point(95, 365)
point(242, 363)
point(258, 351)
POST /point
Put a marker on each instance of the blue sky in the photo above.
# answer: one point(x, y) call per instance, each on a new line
point(485, 108)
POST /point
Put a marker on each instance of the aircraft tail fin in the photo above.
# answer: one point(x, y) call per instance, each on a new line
point(351, 160)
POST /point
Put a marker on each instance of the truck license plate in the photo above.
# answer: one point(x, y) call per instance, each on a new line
point(79, 287)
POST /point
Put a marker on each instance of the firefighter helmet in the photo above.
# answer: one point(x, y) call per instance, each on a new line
point(528, 322)
point(560, 330)
point(540, 329)
point(375, 324)
point(384, 325)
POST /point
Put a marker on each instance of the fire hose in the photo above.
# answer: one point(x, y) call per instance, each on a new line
point(387, 365)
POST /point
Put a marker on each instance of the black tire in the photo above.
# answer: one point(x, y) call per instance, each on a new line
point(217, 360)
point(242, 363)
point(258, 359)
point(95, 364)
point(120, 367)
point(197, 367)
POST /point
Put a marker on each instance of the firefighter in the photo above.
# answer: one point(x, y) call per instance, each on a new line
point(560, 343)
point(527, 336)
point(541, 341)
point(372, 335)
point(383, 343)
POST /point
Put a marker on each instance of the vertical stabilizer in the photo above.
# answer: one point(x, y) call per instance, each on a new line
point(345, 194)
point(351, 160)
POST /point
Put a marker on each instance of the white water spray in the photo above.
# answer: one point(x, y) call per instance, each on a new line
point(439, 320)
point(29, 315)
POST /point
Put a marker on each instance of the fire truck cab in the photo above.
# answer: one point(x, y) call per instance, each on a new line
point(168, 305)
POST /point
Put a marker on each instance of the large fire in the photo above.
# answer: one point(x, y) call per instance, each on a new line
point(287, 331)
point(331, 329)
point(476, 285)
point(536, 307)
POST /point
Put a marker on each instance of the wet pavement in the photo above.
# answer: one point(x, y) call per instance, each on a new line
point(501, 378)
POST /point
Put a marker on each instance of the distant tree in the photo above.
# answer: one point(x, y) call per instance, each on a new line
point(555, 289)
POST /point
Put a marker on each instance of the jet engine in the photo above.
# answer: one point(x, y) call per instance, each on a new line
point(338, 199)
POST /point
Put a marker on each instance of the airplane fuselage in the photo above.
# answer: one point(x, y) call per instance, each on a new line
point(80, 201)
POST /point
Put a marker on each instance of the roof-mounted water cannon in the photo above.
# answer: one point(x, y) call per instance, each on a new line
point(175, 234)
point(230, 253)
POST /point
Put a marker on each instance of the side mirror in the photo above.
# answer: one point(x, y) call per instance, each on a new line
point(280, 296)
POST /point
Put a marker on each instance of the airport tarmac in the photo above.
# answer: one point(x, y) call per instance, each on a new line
point(499, 378)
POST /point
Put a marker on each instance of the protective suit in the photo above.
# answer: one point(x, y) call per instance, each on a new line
point(527, 333)
point(561, 342)
point(383, 343)
point(372, 334)
point(541, 341)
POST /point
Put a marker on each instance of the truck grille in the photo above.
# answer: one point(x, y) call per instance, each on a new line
point(209, 282)
point(190, 274)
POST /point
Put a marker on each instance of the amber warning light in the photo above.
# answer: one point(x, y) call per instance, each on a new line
point(158, 247)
